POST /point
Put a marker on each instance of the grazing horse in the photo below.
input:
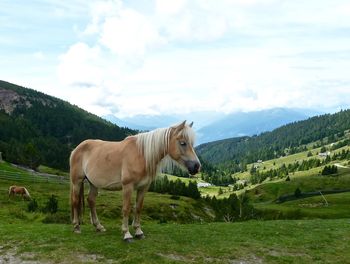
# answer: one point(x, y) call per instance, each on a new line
point(128, 165)
point(13, 190)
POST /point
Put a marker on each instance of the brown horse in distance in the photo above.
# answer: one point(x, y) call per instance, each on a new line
point(19, 190)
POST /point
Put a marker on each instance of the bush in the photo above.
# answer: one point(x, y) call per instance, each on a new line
point(51, 205)
point(32, 206)
point(297, 192)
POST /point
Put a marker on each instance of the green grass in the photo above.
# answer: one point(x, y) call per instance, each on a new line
point(313, 241)
point(177, 231)
point(270, 191)
point(309, 208)
point(48, 170)
point(8, 167)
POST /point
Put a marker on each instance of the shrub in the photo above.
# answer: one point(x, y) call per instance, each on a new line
point(297, 192)
point(32, 206)
point(51, 205)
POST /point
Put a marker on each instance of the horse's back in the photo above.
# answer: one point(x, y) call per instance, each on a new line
point(100, 161)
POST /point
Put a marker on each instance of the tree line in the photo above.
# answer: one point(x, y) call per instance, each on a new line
point(177, 187)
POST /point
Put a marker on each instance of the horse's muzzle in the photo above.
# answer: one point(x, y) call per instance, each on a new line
point(192, 166)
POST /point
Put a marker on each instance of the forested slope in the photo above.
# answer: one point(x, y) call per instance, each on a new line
point(39, 129)
point(274, 144)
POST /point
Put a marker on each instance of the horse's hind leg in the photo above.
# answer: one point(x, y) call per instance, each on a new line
point(92, 204)
point(127, 193)
point(75, 205)
point(139, 204)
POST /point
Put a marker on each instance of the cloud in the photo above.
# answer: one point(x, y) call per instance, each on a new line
point(129, 33)
point(80, 65)
point(183, 56)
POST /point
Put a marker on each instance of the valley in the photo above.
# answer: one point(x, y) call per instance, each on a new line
point(254, 197)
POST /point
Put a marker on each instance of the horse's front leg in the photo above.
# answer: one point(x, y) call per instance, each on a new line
point(127, 193)
point(139, 205)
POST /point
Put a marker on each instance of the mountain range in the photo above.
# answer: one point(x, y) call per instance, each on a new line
point(211, 126)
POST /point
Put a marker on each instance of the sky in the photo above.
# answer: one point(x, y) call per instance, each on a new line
point(165, 57)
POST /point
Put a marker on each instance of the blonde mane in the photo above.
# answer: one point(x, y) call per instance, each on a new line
point(154, 146)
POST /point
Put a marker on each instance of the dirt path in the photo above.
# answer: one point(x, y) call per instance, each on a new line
point(341, 166)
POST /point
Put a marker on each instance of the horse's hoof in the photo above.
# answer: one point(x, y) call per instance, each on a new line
point(140, 236)
point(128, 240)
point(101, 229)
point(77, 231)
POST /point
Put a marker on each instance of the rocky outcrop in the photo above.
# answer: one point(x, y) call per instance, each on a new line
point(8, 100)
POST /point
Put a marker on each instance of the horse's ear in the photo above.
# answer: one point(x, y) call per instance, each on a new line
point(180, 127)
point(190, 125)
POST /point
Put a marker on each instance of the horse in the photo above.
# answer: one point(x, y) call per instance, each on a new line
point(127, 165)
point(13, 190)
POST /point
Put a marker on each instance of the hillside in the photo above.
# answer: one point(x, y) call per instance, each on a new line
point(279, 142)
point(39, 129)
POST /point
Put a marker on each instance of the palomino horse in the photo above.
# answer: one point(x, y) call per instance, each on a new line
point(13, 190)
point(127, 165)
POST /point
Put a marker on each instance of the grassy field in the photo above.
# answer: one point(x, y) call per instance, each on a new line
point(177, 231)
point(290, 241)
point(337, 206)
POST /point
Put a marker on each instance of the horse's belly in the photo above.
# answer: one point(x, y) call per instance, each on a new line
point(105, 181)
point(116, 186)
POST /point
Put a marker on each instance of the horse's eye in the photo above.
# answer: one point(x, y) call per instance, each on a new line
point(183, 143)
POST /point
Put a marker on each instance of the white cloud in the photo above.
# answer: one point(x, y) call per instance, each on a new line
point(182, 56)
point(166, 7)
point(79, 65)
point(129, 33)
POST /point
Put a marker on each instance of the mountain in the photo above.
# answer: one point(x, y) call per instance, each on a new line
point(122, 123)
point(249, 123)
point(211, 126)
point(39, 129)
point(284, 140)
point(150, 122)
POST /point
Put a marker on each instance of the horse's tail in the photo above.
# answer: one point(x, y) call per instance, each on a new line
point(79, 203)
point(27, 195)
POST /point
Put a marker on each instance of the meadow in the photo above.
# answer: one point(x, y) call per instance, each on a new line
point(177, 230)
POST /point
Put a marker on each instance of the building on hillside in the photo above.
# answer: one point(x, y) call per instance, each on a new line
point(203, 184)
point(324, 154)
point(242, 182)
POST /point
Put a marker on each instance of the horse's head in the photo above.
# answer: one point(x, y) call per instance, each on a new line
point(181, 147)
